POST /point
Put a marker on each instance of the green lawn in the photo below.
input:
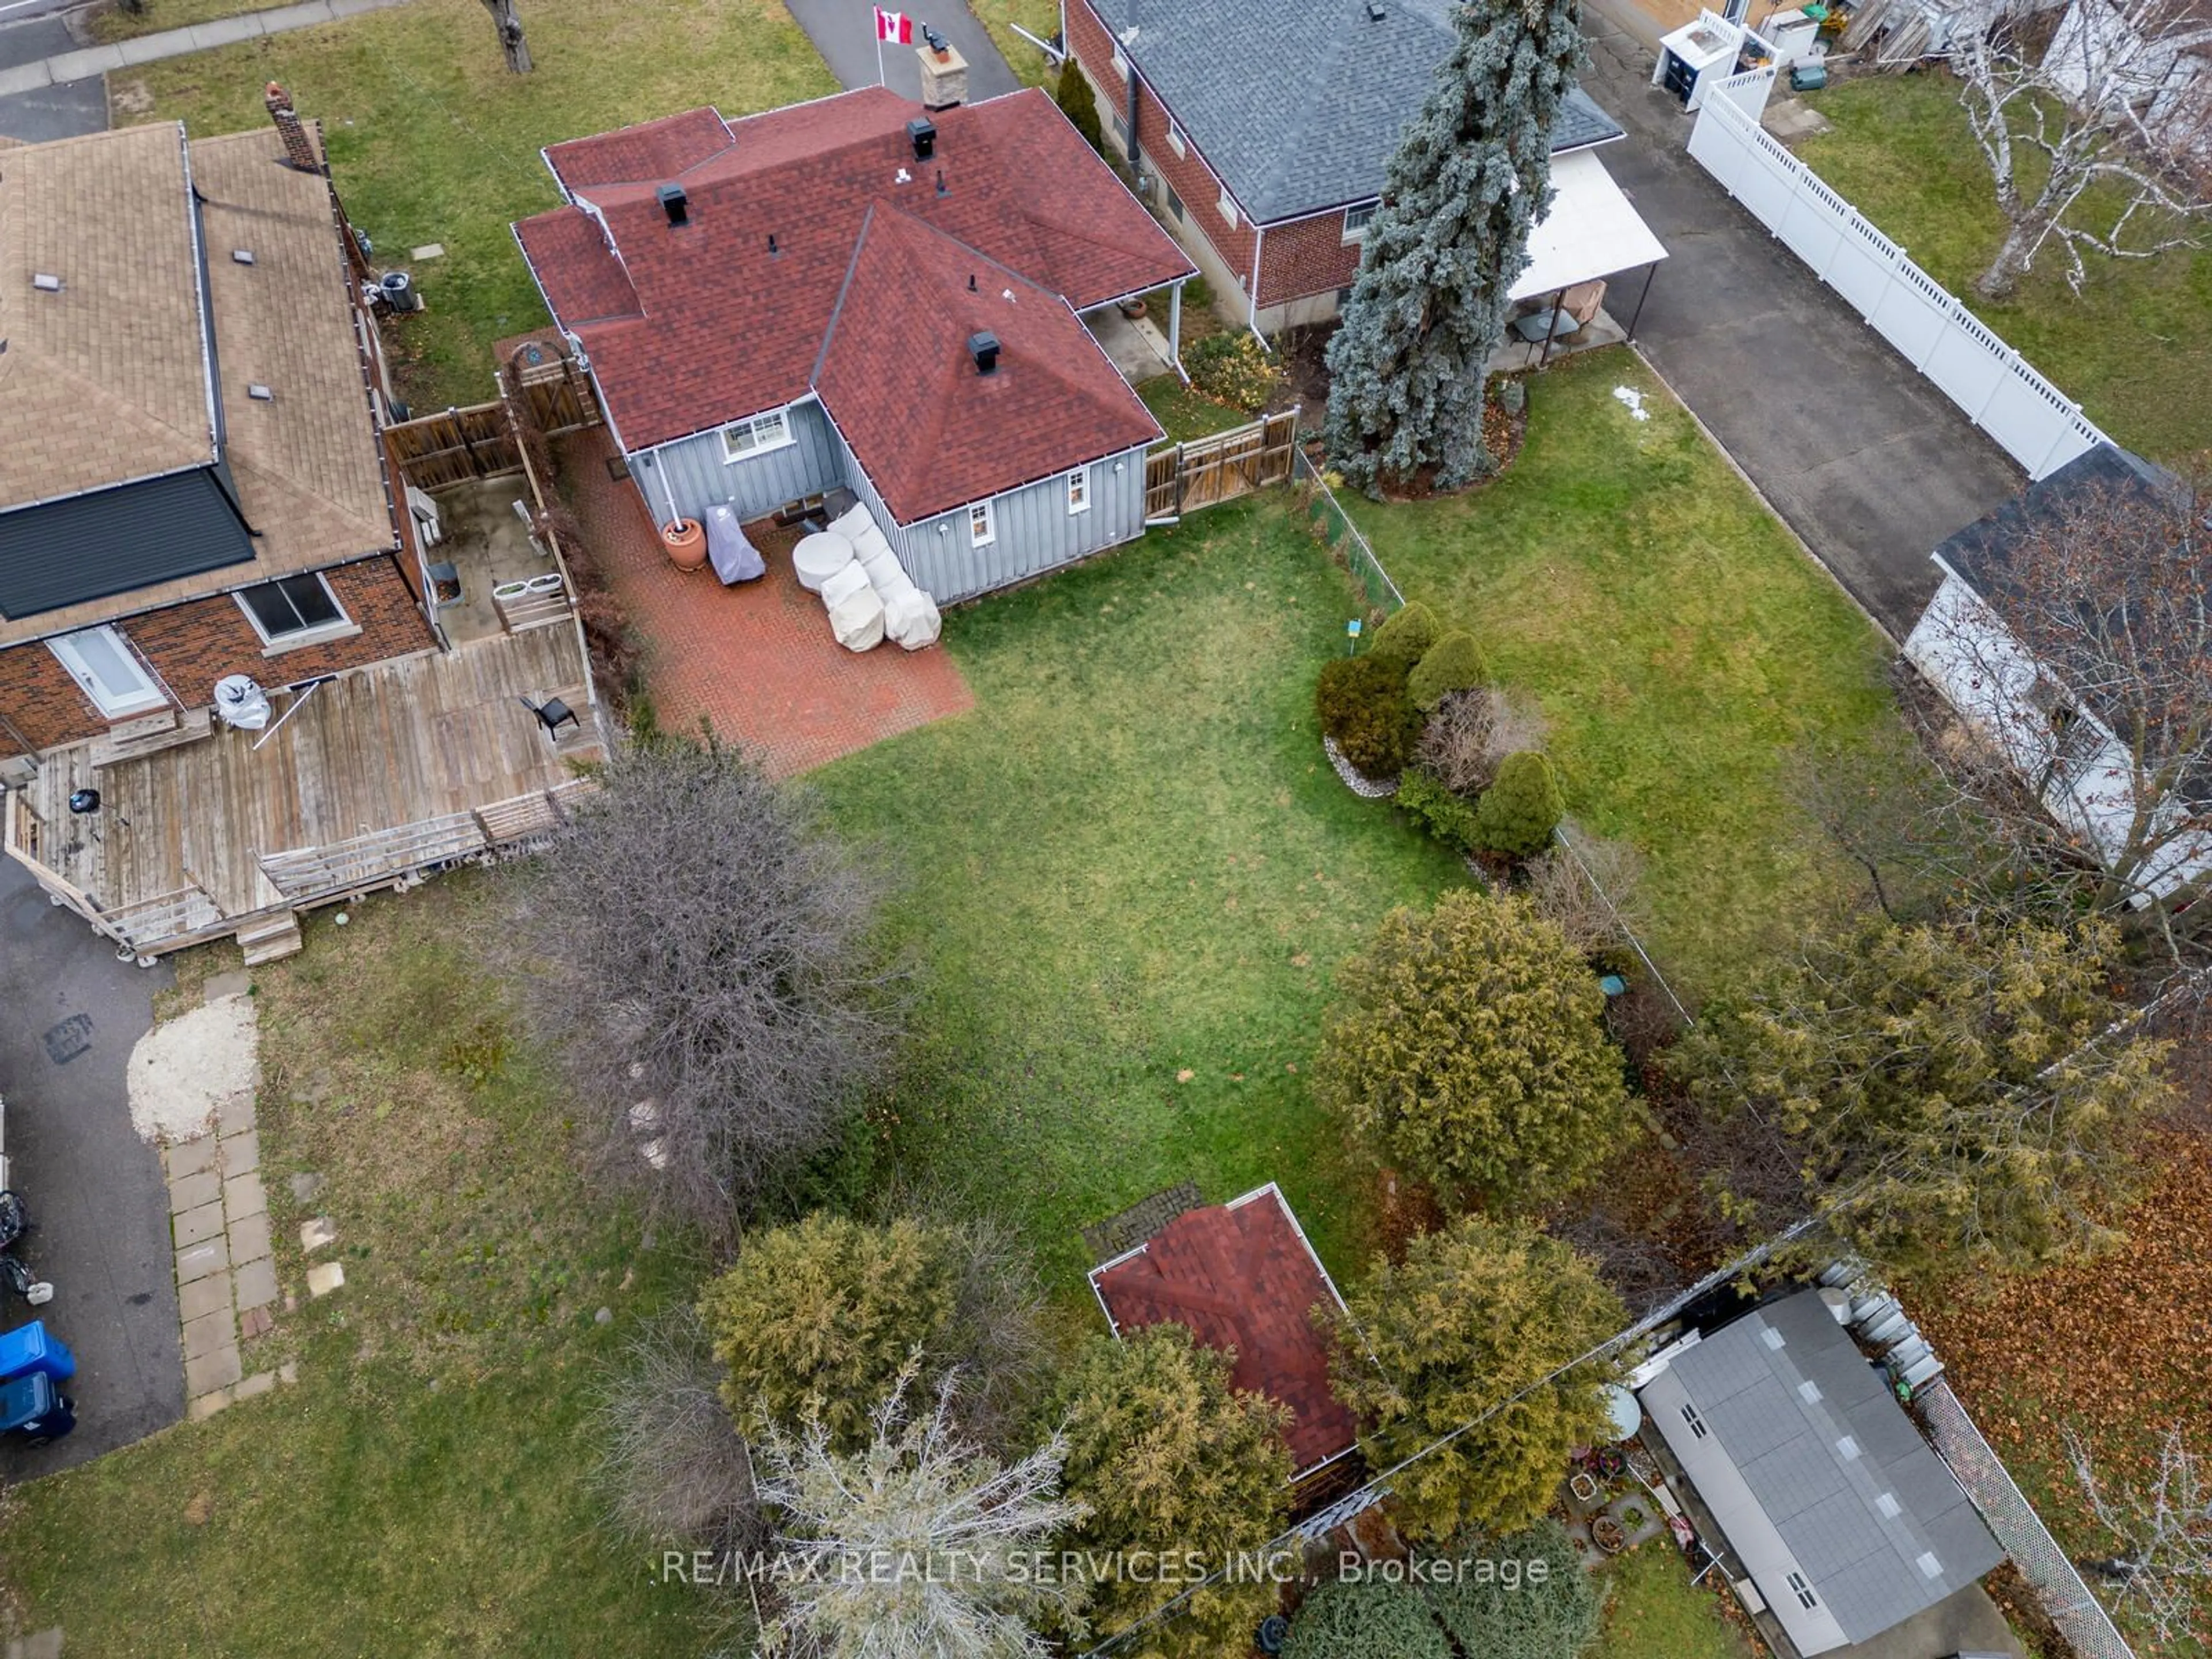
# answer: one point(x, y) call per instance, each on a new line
point(1040, 17)
point(423, 1488)
point(2135, 347)
point(1131, 874)
point(1682, 647)
point(155, 16)
point(1655, 1611)
point(1184, 411)
point(431, 139)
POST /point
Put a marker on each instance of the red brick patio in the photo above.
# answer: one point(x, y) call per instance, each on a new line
point(756, 662)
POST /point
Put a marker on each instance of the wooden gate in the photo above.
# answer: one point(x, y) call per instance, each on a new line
point(553, 395)
point(1181, 479)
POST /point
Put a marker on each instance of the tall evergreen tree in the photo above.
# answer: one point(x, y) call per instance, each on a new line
point(1472, 175)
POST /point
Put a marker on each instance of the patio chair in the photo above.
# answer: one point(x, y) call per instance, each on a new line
point(552, 714)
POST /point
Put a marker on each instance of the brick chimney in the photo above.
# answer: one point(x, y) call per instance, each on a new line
point(299, 147)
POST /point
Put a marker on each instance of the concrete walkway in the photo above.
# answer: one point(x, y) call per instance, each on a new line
point(1865, 459)
point(73, 66)
point(844, 33)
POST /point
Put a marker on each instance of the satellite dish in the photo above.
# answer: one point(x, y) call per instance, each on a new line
point(242, 703)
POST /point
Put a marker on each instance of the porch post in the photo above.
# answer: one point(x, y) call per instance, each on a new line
point(1174, 329)
point(1551, 325)
point(1643, 294)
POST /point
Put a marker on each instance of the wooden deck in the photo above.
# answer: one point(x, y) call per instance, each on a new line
point(370, 775)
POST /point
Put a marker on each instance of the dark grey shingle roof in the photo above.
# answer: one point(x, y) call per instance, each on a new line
point(96, 545)
point(1863, 1563)
point(1298, 104)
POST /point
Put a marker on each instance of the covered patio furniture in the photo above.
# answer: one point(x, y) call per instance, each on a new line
point(818, 558)
point(735, 559)
point(857, 621)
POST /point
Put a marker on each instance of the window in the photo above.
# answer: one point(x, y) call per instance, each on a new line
point(1803, 1591)
point(291, 606)
point(1229, 210)
point(761, 433)
point(1120, 130)
point(1175, 139)
point(1079, 490)
point(982, 531)
point(1355, 222)
point(1120, 65)
point(1697, 1422)
point(101, 661)
point(1174, 202)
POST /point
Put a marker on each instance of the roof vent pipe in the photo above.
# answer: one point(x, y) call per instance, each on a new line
point(983, 347)
point(675, 202)
point(921, 132)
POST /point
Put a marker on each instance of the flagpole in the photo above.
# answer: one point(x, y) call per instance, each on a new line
point(880, 45)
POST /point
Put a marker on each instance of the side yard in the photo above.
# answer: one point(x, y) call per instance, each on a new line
point(2135, 346)
point(1682, 647)
point(432, 141)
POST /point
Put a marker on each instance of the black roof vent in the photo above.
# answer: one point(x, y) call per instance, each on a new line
point(983, 347)
point(923, 133)
point(1375, 12)
point(675, 203)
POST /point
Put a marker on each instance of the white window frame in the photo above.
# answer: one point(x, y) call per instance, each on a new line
point(778, 420)
point(982, 523)
point(1175, 139)
point(1228, 206)
point(1121, 66)
point(1079, 491)
point(1357, 233)
point(1697, 1424)
point(123, 701)
point(343, 628)
point(1803, 1592)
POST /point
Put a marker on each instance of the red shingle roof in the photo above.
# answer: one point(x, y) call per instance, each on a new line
point(691, 326)
point(1241, 1276)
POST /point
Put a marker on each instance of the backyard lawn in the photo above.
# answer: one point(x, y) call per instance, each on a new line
point(1654, 1611)
point(2135, 347)
point(1681, 646)
point(423, 1487)
point(431, 139)
point(1130, 875)
point(1184, 412)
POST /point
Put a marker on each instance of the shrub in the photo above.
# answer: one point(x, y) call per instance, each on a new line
point(1453, 663)
point(1555, 1618)
point(1233, 367)
point(1521, 807)
point(1364, 709)
point(1466, 734)
point(1080, 105)
point(1436, 809)
point(1365, 1619)
point(1512, 397)
point(1197, 294)
point(1407, 634)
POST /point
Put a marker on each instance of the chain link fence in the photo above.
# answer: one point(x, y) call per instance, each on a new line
point(2081, 1618)
point(1335, 528)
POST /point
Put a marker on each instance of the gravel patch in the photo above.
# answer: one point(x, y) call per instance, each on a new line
point(184, 1073)
point(1359, 782)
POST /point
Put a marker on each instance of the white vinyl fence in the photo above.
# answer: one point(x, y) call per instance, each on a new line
point(2033, 420)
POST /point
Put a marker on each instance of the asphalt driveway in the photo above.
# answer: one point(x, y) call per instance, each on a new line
point(70, 1014)
point(844, 33)
point(1866, 461)
point(29, 31)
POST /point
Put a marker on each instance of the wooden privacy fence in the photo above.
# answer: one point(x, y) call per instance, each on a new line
point(436, 451)
point(1181, 479)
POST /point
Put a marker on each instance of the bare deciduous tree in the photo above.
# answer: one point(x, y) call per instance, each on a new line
point(2165, 1530)
point(1470, 734)
point(915, 1545)
point(512, 46)
point(2088, 662)
point(675, 1467)
point(2094, 142)
point(705, 970)
point(1592, 894)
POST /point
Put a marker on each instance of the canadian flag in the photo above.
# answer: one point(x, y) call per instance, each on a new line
point(895, 26)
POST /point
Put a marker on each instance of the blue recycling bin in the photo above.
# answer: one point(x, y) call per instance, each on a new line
point(30, 1350)
point(31, 1406)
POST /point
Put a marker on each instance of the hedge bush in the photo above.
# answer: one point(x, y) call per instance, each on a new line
point(1521, 807)
point(1365, 1619)
point(1407, 634)
point(1448, 817)
point(1080, 105)
point(1453, 663)
point(1557, 1619)
point(1364, 708)
point(1233, 367)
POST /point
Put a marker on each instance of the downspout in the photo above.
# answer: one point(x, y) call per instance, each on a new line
point(1136, 147)
point(1175, 331)
point(1252, 301)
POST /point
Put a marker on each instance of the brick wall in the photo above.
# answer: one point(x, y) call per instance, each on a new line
point(191, 646)
point(1306, 256)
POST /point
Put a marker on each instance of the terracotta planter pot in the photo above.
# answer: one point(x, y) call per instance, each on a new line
point(1134, 309)
point(685, 543)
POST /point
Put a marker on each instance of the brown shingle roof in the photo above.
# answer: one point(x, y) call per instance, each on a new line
point(692, 326)
point(1241, 1276)
point(112, 383)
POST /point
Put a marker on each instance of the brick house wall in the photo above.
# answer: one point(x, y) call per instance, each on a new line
point(1303, 257)
point(190, 647)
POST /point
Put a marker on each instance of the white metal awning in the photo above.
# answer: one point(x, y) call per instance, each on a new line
point(1590, 232)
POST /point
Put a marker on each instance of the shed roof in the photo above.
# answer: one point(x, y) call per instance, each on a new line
point(691, 326)
point(1824, 1454)
point(1242, 1277)
point(1297, 104)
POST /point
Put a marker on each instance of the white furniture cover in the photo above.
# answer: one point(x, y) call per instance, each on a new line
point(858, 621)
point(911, 618)
point(818, 558)
point(844, 583)
point(850, 523)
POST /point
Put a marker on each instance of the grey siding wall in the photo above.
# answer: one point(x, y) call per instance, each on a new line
point(694, 471)
point(1036, 532)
